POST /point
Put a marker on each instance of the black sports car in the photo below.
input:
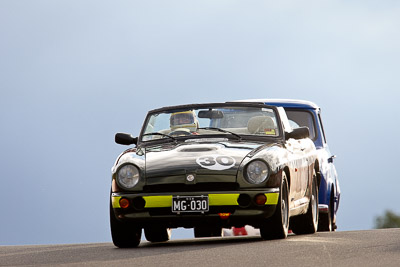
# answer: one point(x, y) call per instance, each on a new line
point(214, 166)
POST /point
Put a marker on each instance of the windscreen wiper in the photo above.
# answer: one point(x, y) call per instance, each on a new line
point(221, 130)
point(166, 135)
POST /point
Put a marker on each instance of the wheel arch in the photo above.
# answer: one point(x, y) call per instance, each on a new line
point(317, 171)
point(331, 192)
point(287, 172)
point(332, 195)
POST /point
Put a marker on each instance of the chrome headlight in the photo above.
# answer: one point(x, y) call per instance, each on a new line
point(257, 172)
point(128, 176)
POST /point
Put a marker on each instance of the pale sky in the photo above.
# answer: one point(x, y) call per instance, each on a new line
point(73, 73)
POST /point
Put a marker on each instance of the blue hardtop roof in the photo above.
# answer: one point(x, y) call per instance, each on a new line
point(285, 103)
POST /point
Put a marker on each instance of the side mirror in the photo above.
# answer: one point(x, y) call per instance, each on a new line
point(298, 133)
point(330, 159)
point(125, 139)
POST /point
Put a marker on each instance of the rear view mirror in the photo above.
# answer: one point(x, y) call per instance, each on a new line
point(211, 114)
point(125, 139)
point(298, 133)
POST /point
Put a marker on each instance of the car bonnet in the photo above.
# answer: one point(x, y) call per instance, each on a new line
point(211, 159)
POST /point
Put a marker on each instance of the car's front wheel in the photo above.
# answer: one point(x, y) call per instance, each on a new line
point(325, 223)
point(124, 234)
point(157, 234)
point(277, 226)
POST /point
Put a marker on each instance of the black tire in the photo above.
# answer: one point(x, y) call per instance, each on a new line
point(157, 234)
point(277, 226)
point(124, 235)
point(204, 231)
point(325, 223)
point(308, 223)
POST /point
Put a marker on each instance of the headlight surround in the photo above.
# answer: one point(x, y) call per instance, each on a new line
point(257, 172)
point(128, 176)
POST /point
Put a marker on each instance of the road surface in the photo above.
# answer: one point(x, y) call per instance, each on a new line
point(349, 248)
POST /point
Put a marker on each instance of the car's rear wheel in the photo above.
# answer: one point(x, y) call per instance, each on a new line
point(277, 226)
point(308, 223)
point(124, 234)
point(207, 231)
point(157, 234)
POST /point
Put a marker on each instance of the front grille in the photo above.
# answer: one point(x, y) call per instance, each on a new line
point(199, 187)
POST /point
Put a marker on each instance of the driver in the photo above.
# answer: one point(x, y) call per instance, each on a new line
point(184, 121)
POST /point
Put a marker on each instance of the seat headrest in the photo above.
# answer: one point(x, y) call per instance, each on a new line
point(261, 124)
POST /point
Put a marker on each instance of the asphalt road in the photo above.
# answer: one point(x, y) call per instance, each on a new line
point(352, 248)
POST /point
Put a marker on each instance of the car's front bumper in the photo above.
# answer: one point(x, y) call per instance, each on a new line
point(225, 208)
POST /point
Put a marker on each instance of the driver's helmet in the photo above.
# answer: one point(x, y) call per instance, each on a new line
point(185, 120)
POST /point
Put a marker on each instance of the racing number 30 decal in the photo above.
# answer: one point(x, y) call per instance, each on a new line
point(216, 162)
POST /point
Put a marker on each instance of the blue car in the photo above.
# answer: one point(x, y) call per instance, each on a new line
point(305, 113)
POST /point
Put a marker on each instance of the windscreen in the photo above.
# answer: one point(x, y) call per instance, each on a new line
point(195, 122)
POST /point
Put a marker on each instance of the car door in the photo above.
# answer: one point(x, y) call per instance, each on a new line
point(298, 171)
point(301, 118)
